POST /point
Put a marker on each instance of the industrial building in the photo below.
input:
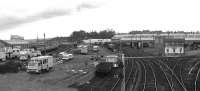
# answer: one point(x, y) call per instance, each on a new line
point(16, 40)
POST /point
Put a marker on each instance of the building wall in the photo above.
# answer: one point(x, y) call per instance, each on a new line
point(16, 37)
point(177, 50)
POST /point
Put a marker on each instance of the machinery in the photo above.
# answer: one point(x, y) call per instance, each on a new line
point(40, 63)
point(25, 54)
point(108, 65)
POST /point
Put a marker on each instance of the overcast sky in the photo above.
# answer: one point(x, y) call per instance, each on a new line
point(61, 17)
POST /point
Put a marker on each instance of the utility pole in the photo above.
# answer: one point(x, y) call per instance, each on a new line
point(44, 44)
point(123, 88)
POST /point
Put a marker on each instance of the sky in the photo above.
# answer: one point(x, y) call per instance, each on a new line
point(57, 18)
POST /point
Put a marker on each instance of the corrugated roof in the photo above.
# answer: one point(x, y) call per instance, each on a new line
point(17, 42)
point(176, 40)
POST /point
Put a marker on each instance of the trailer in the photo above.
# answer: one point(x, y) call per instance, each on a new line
point(39, 64)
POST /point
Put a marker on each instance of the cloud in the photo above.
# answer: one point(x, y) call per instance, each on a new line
point(12, 21)
point(8, 22)
point(51, 14)
point(86, 6)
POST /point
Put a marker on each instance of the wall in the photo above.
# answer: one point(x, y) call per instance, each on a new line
point(174, 49)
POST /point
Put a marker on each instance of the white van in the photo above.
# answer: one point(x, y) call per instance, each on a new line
point(66, 56)
point(37, 64)
point(95, 48)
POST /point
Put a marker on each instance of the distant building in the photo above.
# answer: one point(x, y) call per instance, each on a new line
point(174, 47)
point(96, 41)
point(16, 37)
point(3, 44)
point(16, 40)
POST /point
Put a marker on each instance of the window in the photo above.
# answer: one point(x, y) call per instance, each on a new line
point(167, 50)
point(43, 61)
point(174, 50)
point(181, 50)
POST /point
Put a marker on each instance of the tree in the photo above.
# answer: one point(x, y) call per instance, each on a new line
point(106, 34)
point(78, 36)
point(93, 35)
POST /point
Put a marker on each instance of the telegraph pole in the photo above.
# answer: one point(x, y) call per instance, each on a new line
point(44, 44)
point(123, 88)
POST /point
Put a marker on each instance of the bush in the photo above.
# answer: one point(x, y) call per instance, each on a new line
point(10, 66)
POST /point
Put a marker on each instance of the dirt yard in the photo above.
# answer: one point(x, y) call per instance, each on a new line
point(78, 70)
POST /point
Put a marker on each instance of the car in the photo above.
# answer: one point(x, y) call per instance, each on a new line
point(66, 56)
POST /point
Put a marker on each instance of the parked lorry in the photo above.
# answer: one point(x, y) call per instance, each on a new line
point(2, 55)
point(40, 63)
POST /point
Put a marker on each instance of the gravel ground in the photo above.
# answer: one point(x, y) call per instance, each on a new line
point(63, 75)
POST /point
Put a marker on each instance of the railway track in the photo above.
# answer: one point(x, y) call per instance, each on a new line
point(164, 74)
point(150, 79)
point(131, 76)
point(176, 84)
point(163, 82)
